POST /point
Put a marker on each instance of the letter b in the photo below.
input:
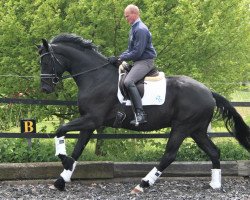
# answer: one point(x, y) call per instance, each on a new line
point(28, 126)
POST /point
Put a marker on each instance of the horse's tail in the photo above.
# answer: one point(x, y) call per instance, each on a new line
point(233, 121)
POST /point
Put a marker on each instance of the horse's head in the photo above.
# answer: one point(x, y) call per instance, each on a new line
point(51, 67)
point(71, 53)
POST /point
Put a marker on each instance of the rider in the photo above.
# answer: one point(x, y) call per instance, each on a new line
point(142, 53)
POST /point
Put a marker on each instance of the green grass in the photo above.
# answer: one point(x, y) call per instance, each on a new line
point(133, 150)
point(142, 150)
point(243, 95)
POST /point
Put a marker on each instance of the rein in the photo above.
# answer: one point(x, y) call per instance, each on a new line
point(54, 76)
point(84, 72)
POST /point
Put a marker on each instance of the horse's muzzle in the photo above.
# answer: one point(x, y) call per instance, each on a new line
point(46, 89)
point(47, 86)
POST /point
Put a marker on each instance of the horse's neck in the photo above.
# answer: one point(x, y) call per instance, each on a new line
point(105, 76)
point(94, 73)
point(90, 70)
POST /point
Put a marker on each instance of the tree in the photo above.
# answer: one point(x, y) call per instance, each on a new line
point(207, 40)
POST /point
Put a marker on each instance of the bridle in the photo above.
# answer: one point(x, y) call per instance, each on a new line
point(55, 78)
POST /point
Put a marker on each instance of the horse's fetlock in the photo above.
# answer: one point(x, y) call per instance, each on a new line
point(62, 157)
point(152, 176)
point(67, 173)
point(68, 162)
point(144, 184)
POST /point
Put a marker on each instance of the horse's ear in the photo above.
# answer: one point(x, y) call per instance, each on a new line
point(45, 44)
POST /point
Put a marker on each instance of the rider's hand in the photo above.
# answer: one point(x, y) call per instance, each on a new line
point(113, 59)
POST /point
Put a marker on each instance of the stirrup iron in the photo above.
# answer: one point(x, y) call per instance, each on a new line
point(137, 121)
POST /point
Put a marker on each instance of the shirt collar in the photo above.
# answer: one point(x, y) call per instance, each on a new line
point(136, 21)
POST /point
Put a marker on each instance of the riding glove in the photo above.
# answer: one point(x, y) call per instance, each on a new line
point(114, 60)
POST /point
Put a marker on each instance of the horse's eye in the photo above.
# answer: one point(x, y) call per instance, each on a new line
point(45, 64)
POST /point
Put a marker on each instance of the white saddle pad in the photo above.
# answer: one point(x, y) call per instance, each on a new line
point(154, 92)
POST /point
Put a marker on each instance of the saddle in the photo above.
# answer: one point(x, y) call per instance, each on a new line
point(152, 89)
point(124, 69)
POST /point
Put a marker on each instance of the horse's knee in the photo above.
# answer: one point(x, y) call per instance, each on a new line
point(61, 131)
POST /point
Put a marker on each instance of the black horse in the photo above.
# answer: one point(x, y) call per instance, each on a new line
point(188, 109)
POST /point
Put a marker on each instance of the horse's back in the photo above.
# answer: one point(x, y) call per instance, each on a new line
point(189, 97)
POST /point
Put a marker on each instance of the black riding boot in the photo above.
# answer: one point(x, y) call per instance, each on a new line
point(135, 97)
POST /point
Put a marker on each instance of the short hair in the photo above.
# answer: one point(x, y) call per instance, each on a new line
point(133, 9)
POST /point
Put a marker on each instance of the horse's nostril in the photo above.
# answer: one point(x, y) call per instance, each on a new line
point(46, 90)
point(43, 90)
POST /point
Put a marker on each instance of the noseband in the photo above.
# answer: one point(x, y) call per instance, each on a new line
point(54, 76)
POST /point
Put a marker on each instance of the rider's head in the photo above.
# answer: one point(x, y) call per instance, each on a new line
point(131, 13)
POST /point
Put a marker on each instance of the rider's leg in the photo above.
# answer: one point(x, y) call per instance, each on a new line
point(137, 103)
point(139, 70)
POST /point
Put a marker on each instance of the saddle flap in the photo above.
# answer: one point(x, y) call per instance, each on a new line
point(123, 89)
point(152, 77)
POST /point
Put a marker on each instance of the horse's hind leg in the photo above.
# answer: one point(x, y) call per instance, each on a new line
point(69, 163)
point(176, 138)
point(205, 143)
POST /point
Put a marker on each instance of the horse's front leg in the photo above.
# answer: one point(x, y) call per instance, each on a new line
point(69, 162)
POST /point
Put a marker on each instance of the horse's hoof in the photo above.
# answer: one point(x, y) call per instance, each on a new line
point(60, 184)
point(138, 189)
point(215, 186)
